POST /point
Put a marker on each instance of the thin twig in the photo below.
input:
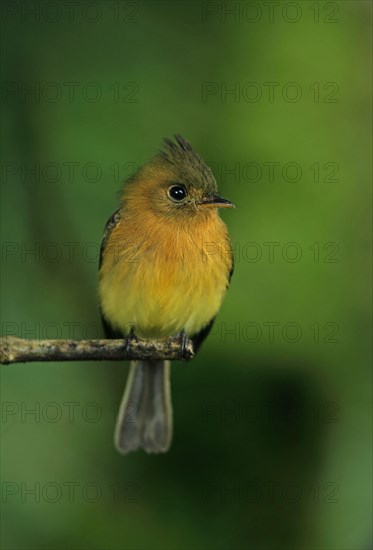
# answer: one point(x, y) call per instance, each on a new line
point(19, 350)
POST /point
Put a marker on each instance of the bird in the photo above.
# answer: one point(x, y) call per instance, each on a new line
point(166, 262)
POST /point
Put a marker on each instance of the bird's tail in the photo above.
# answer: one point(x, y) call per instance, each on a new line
point(145, 415)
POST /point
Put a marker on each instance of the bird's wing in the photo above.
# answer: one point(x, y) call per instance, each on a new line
point(231, 271)
point(109, 226)
point(112, 222)
point(198, 338)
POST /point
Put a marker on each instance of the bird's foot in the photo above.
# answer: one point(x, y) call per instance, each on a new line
point(131, 338)
point(182, 339)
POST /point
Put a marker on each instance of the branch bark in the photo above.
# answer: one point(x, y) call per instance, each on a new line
point(19, 350)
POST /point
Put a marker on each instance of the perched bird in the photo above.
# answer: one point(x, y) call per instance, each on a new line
point(165, 265)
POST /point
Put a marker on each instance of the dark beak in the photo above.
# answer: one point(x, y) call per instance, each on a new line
point(217, 201)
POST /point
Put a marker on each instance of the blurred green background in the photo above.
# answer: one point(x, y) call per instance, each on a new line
point(272, 434)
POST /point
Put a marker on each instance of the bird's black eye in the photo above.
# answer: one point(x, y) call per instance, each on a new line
point(177, 193)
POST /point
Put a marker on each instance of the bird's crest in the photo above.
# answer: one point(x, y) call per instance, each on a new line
point(180, 154)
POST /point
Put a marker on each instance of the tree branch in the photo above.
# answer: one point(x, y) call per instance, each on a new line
point(19, 350)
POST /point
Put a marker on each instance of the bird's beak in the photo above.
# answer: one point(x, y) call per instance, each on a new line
point(217, 201)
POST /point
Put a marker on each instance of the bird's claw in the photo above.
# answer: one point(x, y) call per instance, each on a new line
point(182, 340)
point(131, 338)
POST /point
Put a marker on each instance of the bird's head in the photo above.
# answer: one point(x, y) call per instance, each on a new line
point(175, 183)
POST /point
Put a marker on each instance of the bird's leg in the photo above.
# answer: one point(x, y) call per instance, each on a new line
point(130, 339)
point(182, 339)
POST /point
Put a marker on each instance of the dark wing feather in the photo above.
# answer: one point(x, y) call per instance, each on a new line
point(231, 272)
point(198, 338)
point(109, 331)
point(109, 226)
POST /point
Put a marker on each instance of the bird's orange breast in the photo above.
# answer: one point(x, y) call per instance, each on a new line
point(161, 278)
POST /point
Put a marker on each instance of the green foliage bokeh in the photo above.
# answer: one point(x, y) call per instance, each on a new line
point(272, 443)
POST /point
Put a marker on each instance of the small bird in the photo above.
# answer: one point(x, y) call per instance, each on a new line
point(165, 265)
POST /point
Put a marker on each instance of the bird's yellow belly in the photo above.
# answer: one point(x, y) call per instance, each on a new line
point(162, 301)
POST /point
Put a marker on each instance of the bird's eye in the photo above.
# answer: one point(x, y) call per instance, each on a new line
point(177, 193)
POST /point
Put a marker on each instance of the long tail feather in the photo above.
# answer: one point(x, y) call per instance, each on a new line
point(145, 415)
